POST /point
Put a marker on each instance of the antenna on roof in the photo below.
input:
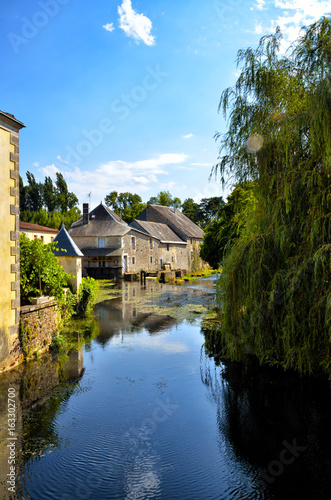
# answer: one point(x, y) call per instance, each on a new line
point(89, 197)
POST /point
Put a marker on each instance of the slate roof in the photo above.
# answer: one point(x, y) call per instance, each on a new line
point(157, 230)
point(102, 222)
point(66, 247)
point(27, 226)
point(177, 219)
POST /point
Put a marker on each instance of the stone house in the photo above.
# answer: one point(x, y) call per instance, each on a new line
point(9, 241)
point(35, 231)
point(69, 256)
point(171, 249)
point(112, 247)
point(182, 226)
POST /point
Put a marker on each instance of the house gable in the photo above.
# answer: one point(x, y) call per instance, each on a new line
point(174, 218)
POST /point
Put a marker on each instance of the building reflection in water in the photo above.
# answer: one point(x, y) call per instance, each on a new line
point(121, 315)
point(41, 387)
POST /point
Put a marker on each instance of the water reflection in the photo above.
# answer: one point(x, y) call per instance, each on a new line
point(121, 316)
point(42, 388)
point(276, 427)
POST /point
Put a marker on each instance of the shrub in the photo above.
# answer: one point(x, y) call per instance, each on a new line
point(41, 273)
point(87, 295)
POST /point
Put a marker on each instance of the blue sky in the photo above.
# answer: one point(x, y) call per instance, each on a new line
point(123, 94)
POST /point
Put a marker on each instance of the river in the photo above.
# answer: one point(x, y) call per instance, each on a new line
point(142, 412)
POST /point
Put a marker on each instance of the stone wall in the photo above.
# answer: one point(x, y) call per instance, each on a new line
point(174, 254)
point(39, 324)
point(9, 243)
point(73, 266)
point(144, 255)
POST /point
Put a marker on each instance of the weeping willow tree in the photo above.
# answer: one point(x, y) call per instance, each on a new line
point(274, 293)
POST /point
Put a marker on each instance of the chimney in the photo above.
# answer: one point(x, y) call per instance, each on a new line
point(85, 213)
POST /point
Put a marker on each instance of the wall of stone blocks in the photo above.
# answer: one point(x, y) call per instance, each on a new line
point(144, 256)
point(10, 354)
point(39, 324)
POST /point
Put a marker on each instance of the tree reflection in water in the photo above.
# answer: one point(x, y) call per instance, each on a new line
point(262, 413)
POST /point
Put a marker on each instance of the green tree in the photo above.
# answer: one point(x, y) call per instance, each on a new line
point(40, 273)
point(192, 210)
point(165, 199)
point(65, 200)
point(210, 208)
point(49, 194)
point(222, 233)
point(23, 196)
point(33, 194)
point(125, 205)
point(275, 287)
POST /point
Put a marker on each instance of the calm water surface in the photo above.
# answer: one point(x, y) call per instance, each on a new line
point(142, 412)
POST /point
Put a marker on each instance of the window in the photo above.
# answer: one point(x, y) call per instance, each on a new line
point(52, 239)
point(172, 259)
point(35, 236)
point(133, 242)
point(168, 247)
point(132, 260)
point(42, 239)
point(151, 259)
point(101, 242)
point(150, 243)
point(102, 261)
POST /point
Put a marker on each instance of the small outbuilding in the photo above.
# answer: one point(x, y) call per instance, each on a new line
point(69, 256)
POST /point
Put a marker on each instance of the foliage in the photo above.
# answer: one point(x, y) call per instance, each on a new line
point(221, 234)
point(192, 210)
point(40, 272)
point(210, 209)
point(87, 295)
point(205, 212)
point(125, 205)
point(52, 219)
point(165, 199)
point(47, 204)
point(275, 288)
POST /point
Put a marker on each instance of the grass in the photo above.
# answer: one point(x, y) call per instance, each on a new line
point(203, 273)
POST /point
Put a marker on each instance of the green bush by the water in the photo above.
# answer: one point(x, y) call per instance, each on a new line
point(87, 295)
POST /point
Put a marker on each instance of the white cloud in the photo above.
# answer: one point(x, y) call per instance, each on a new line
point(49, 171)
point(36, 164)
point(136, 26)
point(293, 15)
point(135, 177)
point(260, 4)
point(109, 27)
point(258, 29)
point(188, 136)
point(61, 160)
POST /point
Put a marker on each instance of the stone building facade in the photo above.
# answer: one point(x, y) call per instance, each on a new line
point(35, 231)
point(10, 354)
point(186, 230)
point(69, 257)
point(111, 247)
